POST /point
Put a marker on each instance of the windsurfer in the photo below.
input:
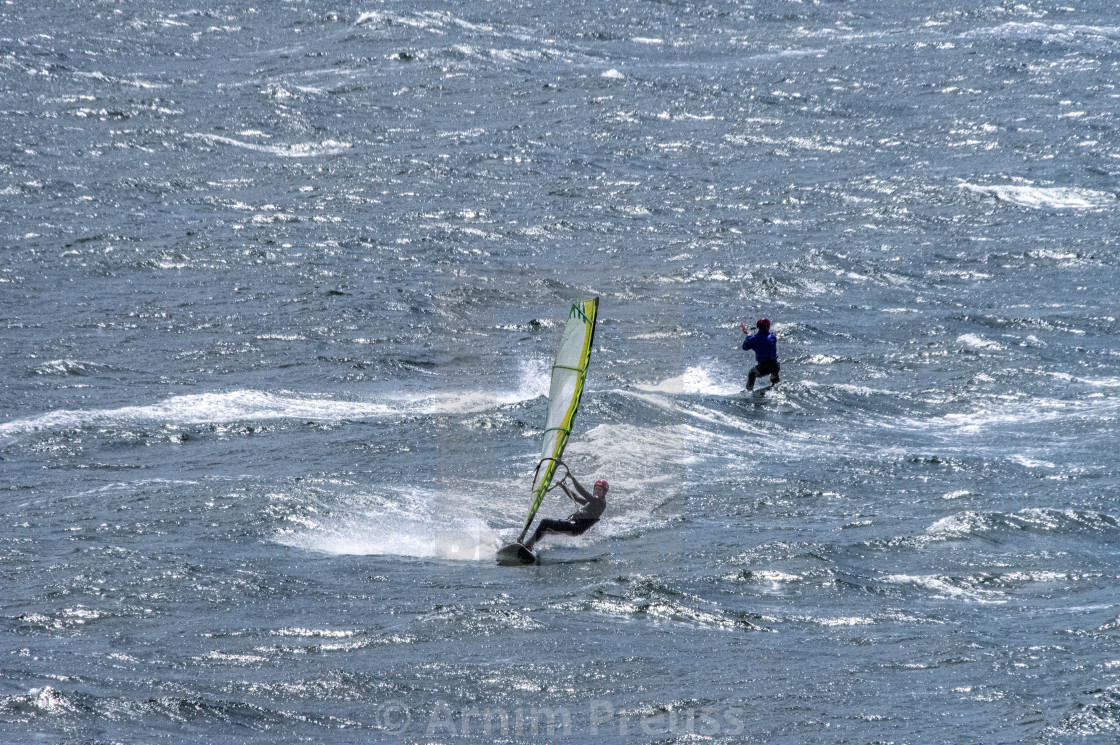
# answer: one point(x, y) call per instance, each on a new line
point(591, 504)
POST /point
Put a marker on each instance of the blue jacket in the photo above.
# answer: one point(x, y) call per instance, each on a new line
point(764, 344)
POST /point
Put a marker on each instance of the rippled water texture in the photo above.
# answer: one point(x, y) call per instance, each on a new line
point(280, 288)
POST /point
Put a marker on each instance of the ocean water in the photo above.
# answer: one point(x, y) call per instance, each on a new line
point(280, 285)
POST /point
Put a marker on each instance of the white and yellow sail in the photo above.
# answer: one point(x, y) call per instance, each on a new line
point(569, 372)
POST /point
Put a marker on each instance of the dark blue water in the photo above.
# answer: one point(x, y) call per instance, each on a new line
point(279, 290)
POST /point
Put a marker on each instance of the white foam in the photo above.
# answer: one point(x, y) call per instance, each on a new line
point(1031, 462)
point(204, 408)
point(694, 380)
point(844, 621)
point(961, 525)
point(1035, 576)
point(130, 487)
point(976, 342)
point(438, 22)
point(1095, 382)
point(1052, 197)
point(299, 150)
point(65, 367)
point(249, 405)
point(133, 82)
point(1048, 32)
point(980, 419)
point(49, 700)
point(413, 522)
point(1011, 411)
point(628, 447)
point(378, 535)
point(786, 53)
point(787, 145)
point(968, 524)
point(860, 390)
point(698, 412)
point(429, 20)
point(944, 587)
point(772, 576)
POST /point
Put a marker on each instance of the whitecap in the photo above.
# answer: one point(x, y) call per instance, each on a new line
point(1031, 462)
point(945, 587)
point(1048, 33)
point(1051, 197)
point(1017, 412)
point(203, 408)
point(66, 367)
point(49, 700)
point(298, 150)
point(976, 342)
point(250, 405)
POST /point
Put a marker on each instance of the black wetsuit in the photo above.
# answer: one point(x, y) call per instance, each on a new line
point(577, 523)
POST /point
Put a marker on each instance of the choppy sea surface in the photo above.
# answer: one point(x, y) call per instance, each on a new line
point(279, 288)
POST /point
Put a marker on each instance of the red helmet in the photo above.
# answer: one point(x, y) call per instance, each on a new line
point(606, 486)
point(763, 323)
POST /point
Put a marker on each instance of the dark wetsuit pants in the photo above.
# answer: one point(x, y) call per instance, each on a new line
point(569, 527)
point(766, 367)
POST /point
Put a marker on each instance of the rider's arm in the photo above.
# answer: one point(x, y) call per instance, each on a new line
point(580, 489)
point(574, 497)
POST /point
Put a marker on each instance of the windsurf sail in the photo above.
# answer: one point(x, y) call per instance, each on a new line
point(569, 371)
